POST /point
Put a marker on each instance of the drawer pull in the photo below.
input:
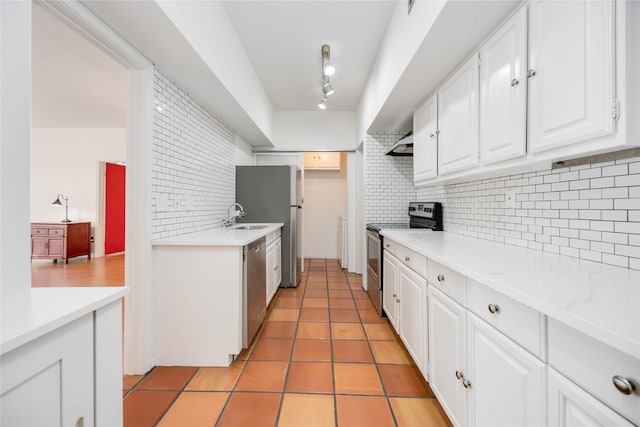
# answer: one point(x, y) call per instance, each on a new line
point(398, 300)
point(494, 308)
point(440, 277)
point(407, 259)
point(459, 375)
point(624, 385)
point(395, 296)
point(466, 383)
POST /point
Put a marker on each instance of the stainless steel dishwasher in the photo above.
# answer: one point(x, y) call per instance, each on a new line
point(254, 296)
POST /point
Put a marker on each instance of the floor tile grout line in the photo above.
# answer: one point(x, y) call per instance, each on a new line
point(293, 345)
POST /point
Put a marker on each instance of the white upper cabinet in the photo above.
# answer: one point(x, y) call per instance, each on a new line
point(571, 52)
point(458, 119)
point(503, 92)
point(425, 141)
point(322, 160)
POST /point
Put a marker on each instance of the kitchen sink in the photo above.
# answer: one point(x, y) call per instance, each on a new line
point(249, 227)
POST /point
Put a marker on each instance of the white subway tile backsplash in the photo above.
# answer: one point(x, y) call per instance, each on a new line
point(586, 211)
point(193, 158)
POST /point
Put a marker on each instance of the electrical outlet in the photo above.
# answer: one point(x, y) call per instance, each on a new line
point(510, 199)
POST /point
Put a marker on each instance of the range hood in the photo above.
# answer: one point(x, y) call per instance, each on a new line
point(404, 147)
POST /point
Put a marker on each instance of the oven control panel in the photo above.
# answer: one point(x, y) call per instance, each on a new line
point(425, 209)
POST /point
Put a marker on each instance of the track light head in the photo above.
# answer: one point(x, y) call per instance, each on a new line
point(327, 67)
point(323, 104)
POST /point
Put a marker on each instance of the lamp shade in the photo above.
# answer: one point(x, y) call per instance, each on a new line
point(57, 202)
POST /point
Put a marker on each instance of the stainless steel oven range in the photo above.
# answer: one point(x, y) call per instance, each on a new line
point(425, 215)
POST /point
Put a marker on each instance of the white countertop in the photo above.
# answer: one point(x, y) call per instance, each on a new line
point(600, 300)
point(220, 236)
point(38, 311)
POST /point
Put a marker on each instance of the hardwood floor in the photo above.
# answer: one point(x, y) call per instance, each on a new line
point(81, 272)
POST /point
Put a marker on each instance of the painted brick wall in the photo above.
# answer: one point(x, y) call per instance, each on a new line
point(193, 163)
point(388, 180)
point(590, 212)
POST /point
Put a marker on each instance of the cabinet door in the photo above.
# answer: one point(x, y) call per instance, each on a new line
point(390, 289)
point(310, 161)
point(270, 273)
point(328, 160)
point(571, 52)
point(569, 405)
point(278, 265)
point(39, 246)
point(447, 347)
point(56, 247)
point(425, 141)
point(507, 382)
point(412, 317)
point(458, 119)
point(503, 92)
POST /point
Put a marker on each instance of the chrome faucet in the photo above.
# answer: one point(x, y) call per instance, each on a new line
point(231, 218)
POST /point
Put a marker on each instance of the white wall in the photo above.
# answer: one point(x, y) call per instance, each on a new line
point(244, 155)
point(315, 130)
point(15, 112)
point(404, 36)
point(206, 26)
point(325, 199)
point(66, 161)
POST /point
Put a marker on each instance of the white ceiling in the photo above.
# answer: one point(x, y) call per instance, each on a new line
point(73, 83)
point(283, 40)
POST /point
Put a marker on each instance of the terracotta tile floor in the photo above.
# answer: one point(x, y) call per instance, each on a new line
point(323, 358)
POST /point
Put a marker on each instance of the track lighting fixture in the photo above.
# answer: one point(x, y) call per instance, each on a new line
point(327, 89)
point(327, 67)
point(327, 70)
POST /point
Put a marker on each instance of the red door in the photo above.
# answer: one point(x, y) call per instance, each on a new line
point(114, 208)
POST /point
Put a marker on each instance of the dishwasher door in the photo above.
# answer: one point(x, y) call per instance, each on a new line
point(255, 289)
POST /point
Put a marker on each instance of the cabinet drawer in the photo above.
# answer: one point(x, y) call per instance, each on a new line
point(413, 260)
point(592, 365)
point(448, 281)
point(391, 246)
point(519, 322)
point(37, 231)
point(56, 232)
point(271, 237)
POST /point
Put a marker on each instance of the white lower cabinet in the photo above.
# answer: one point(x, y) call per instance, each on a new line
point(480, 376)
point(412, 313)
point(405, 303)
point(71, 376)
point(274, 268)
point(507, 383)
point(569, 405)
point(390, 292)
point(447, 343)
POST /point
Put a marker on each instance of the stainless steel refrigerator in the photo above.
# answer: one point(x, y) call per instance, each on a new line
point(274, 194)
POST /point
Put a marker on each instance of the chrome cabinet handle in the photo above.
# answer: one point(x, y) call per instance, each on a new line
point(514, 82)
point(395, 296)
point(466, 383)
point(459, 375)
point(397, 300)
point(407, 259)
point(494, 308)
point(531, 73)
point(275, 268)
point(440, 277)
point(433, 135)
point(624, 385)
